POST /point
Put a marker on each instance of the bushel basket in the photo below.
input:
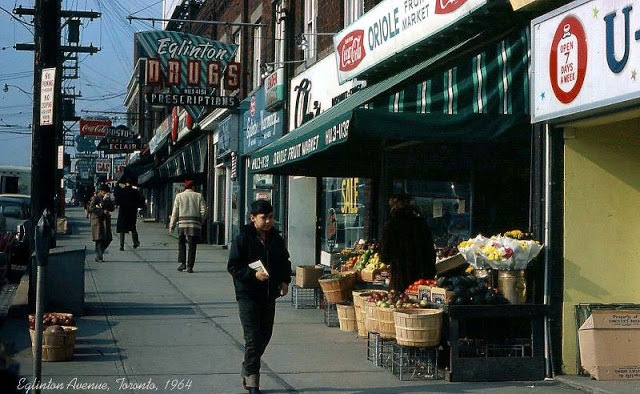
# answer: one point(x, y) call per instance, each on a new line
point(337, 287)
point(56, 346)
point(418, 327)
point(386, 324)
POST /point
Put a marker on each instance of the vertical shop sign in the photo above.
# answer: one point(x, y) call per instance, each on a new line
point(234, 166)
point(259, 125)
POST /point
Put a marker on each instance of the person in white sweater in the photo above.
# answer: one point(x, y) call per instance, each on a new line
point(189, 213)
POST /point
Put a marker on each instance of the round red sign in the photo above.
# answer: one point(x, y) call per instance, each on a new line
point(568, 59)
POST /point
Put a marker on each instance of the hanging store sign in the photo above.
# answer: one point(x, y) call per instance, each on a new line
point(94, 126)
point(119, 145)
point(259, 126)
point(118, 167)
point(120, 132)
point(274, 89)
point(160, 136)
point(227, 136)
point(192, 68)
point(392, 27)
point(583, 58)
point(103, 166)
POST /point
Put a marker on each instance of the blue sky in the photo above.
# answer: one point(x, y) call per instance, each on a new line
point(103, 76)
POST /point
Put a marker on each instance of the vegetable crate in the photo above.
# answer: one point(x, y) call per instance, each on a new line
point(414, 363)
point(331, 315)
point(303, 298)
point(380, 350)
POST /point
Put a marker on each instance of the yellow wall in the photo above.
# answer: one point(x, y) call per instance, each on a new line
point(602, 221)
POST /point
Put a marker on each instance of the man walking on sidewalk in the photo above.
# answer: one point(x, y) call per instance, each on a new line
point(100, 208)
point(259, 244)
point(128, 200)
point(189, 212)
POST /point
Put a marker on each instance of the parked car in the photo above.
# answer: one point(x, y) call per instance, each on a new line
point(16, 212)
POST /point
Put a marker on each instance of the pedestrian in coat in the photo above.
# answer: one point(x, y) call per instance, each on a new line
point(128, 200)
point(189, 213)
point(256, 290)
point(407, 244)
point(100, 207)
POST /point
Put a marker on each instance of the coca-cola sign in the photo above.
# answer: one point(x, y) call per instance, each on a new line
point(447, 6)
point(392, 27)
point(351, 50)
point(94, 127)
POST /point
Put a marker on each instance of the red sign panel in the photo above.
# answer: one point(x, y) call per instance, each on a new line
point(568, 59)
point(447, 6)
point(94, 128)
point(351, 50)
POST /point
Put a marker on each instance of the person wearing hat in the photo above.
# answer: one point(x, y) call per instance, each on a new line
point(128, 200)
point(189, 213)
point(100, 208)
point(257, 289)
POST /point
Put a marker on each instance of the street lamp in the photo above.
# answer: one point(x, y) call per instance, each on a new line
point(6, 89)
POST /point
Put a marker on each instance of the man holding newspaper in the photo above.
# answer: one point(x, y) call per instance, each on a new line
point(261, 270)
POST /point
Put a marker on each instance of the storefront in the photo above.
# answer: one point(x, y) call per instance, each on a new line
point(453, 130)
point(225, 181)
point(585, 95)
point(262, 123)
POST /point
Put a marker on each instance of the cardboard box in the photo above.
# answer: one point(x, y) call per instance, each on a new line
point(610, 344)
point(434, 295)
point(450, 263)
point(307, 275)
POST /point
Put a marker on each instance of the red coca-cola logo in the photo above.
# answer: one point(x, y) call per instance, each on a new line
point(448, 6)
point(351, 50)
point(94, 128)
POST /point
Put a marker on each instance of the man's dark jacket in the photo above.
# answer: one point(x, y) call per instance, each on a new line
point(247, 248)
point(129, 200)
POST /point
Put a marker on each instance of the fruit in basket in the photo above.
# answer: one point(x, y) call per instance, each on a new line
point(54, 329)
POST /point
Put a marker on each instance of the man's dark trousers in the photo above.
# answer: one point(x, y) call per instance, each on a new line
point(257, 323)
point(183, 241)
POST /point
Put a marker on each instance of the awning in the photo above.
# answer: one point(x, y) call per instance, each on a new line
point(476, 100)
point(188, 161)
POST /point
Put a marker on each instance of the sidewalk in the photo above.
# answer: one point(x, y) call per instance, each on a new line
point(147, 324)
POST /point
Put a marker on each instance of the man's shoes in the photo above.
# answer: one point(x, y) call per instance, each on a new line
point(136, 244)
point(190, 270)
point(122, 248)
point(99, 259)
point(182, 267)
point(254, 390)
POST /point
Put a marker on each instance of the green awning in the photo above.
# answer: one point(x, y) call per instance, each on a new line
point(477, 100)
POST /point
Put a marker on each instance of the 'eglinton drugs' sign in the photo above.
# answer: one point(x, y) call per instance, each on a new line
point(300, 150)
point(181, 99)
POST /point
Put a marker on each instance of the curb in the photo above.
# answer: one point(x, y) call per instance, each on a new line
point(570, 381)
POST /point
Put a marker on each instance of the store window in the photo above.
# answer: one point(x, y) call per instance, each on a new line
point(279, 33)
point(445, 206)
point(345, 212)
point(310, 15)
point(353, 9)
point(257, 54)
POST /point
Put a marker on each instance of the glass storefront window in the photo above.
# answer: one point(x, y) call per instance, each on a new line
point(445, 205)
point(345, 212)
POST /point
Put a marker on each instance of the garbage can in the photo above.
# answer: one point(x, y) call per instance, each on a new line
point(217, 233)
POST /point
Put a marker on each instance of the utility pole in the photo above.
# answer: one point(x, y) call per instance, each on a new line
point(44, 140)
point(48, 53)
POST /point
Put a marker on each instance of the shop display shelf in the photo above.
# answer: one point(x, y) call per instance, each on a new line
point(380, 350)
point(496, 342)
point(303, 298)
point(415, 363)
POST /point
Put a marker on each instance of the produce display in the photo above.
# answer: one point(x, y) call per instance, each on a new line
point(500, 252)
point(447, 251)
point(394, 299)
point(53, 319)
point(413, 288)
point(469, 290)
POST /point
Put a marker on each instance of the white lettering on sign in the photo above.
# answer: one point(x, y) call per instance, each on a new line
point(338, 132)
point(47, 93)
point(186, 48)
point(259, 163)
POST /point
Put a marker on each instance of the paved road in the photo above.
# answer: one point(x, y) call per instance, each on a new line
point(148, 327)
